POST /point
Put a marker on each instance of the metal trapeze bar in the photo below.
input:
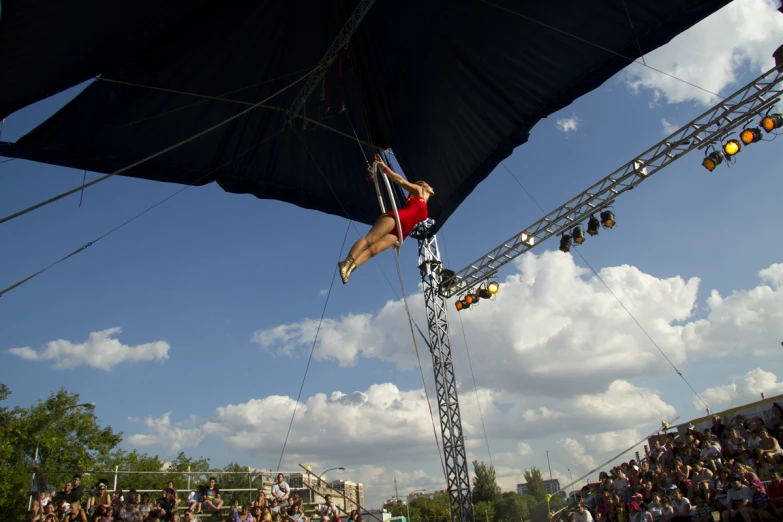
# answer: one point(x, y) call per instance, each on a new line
point(703, 132)
point(457, 473)
point(342, 39)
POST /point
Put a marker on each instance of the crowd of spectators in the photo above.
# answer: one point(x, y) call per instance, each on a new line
point(729, 472)
point(73, 504)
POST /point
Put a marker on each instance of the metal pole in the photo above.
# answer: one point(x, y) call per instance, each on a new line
point(549, 465)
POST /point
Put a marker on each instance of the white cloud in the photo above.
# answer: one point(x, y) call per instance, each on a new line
point(323, 292)
point(165, 434)
point(524, 449)
point(568, 124)
point(668, 126)
point(101, 351)
point(612, 441)
point(743, 34)
point(540, 337)
point(742, 390)
point(575, 452)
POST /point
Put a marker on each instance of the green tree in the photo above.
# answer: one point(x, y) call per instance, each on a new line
point(242, 480)
point(70, 439)
point(485, 486)
point(535, 483)
point(435, 509)
point(511, 507)
point(484, 511)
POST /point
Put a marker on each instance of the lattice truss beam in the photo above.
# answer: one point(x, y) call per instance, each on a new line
point(457, 473)
point(707, 130)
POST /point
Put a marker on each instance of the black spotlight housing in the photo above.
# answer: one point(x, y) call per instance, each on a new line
point(483, 293)
point(565, 243)
point(712, 160)
point(607, 219)
point(593, 225)
point(578, 233)
point(750, 135)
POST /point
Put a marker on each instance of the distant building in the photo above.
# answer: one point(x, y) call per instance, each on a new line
point(421, 494)
point(550, 486)
point(353, 491)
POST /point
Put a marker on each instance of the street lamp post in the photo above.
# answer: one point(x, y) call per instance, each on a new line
point(342, 468)
point(88, 405)
point(408, 504)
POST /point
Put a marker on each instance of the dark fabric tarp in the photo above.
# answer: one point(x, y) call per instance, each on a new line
point(452, 86)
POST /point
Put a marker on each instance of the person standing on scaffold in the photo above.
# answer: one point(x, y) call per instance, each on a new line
point(384, 233)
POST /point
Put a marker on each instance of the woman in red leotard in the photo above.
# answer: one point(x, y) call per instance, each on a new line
point(384, 233)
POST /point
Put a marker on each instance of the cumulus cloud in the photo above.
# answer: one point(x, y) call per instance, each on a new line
point(668, 126)
point(540, 335)
point(742, 390)
point(612, 441)
point(170, 436)
point(568, 124)
point(740, 36)
point(101, 351)
point(575, 452)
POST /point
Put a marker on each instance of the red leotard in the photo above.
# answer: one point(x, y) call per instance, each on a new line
point(414, 211)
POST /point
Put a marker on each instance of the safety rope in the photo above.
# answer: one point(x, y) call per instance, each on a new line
point(312, 348)
point(644, 331)
point(421, 368)
point(134, 218)
point(151, 156)
point(405, 300)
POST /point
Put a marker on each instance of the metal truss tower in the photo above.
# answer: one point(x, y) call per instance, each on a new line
point(457, 473)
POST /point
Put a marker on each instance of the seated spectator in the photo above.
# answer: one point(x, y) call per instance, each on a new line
point(188, 516)
point(68, 494)
point(76, 513)
point(260, 500)
point(211, 501)
point(580, 514)
point(243, 515)
point(195, 498)
point(101, 498)
point(166, 504)
point(329, 510)
point(43, 491)
point(281, 491)
point(145, 506)
point(700, 511)
point(761, 505)
point(172, 492)
point(775, 493)
point(770, 446)
point(130, 512)
point(739, 500)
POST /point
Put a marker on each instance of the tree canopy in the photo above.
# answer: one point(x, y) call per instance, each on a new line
point(485, 486)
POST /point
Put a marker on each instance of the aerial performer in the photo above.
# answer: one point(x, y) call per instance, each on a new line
point(384, 233)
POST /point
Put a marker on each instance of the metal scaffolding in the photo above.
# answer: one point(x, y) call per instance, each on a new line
point(457, 474)
point(709, 129)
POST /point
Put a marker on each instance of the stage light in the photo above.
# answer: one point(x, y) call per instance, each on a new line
point(772, 122)
point(578, 234)
point(565, 243)
point(470, 299)
point(483, 293)
point(592, 226)
point(731, 147)
point(461, 305)
point(750, 135)
point(493, 287)
point(607, 219)
point(712, 160)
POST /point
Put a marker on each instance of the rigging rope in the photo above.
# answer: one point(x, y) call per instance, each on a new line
point(312, 348)
point(615, 53)
point(405, 300)
point(134, 218)
point(676, 370)
point(207, 97)
point(152, 156)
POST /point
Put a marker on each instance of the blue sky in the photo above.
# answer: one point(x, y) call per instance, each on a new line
point(222, 287)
